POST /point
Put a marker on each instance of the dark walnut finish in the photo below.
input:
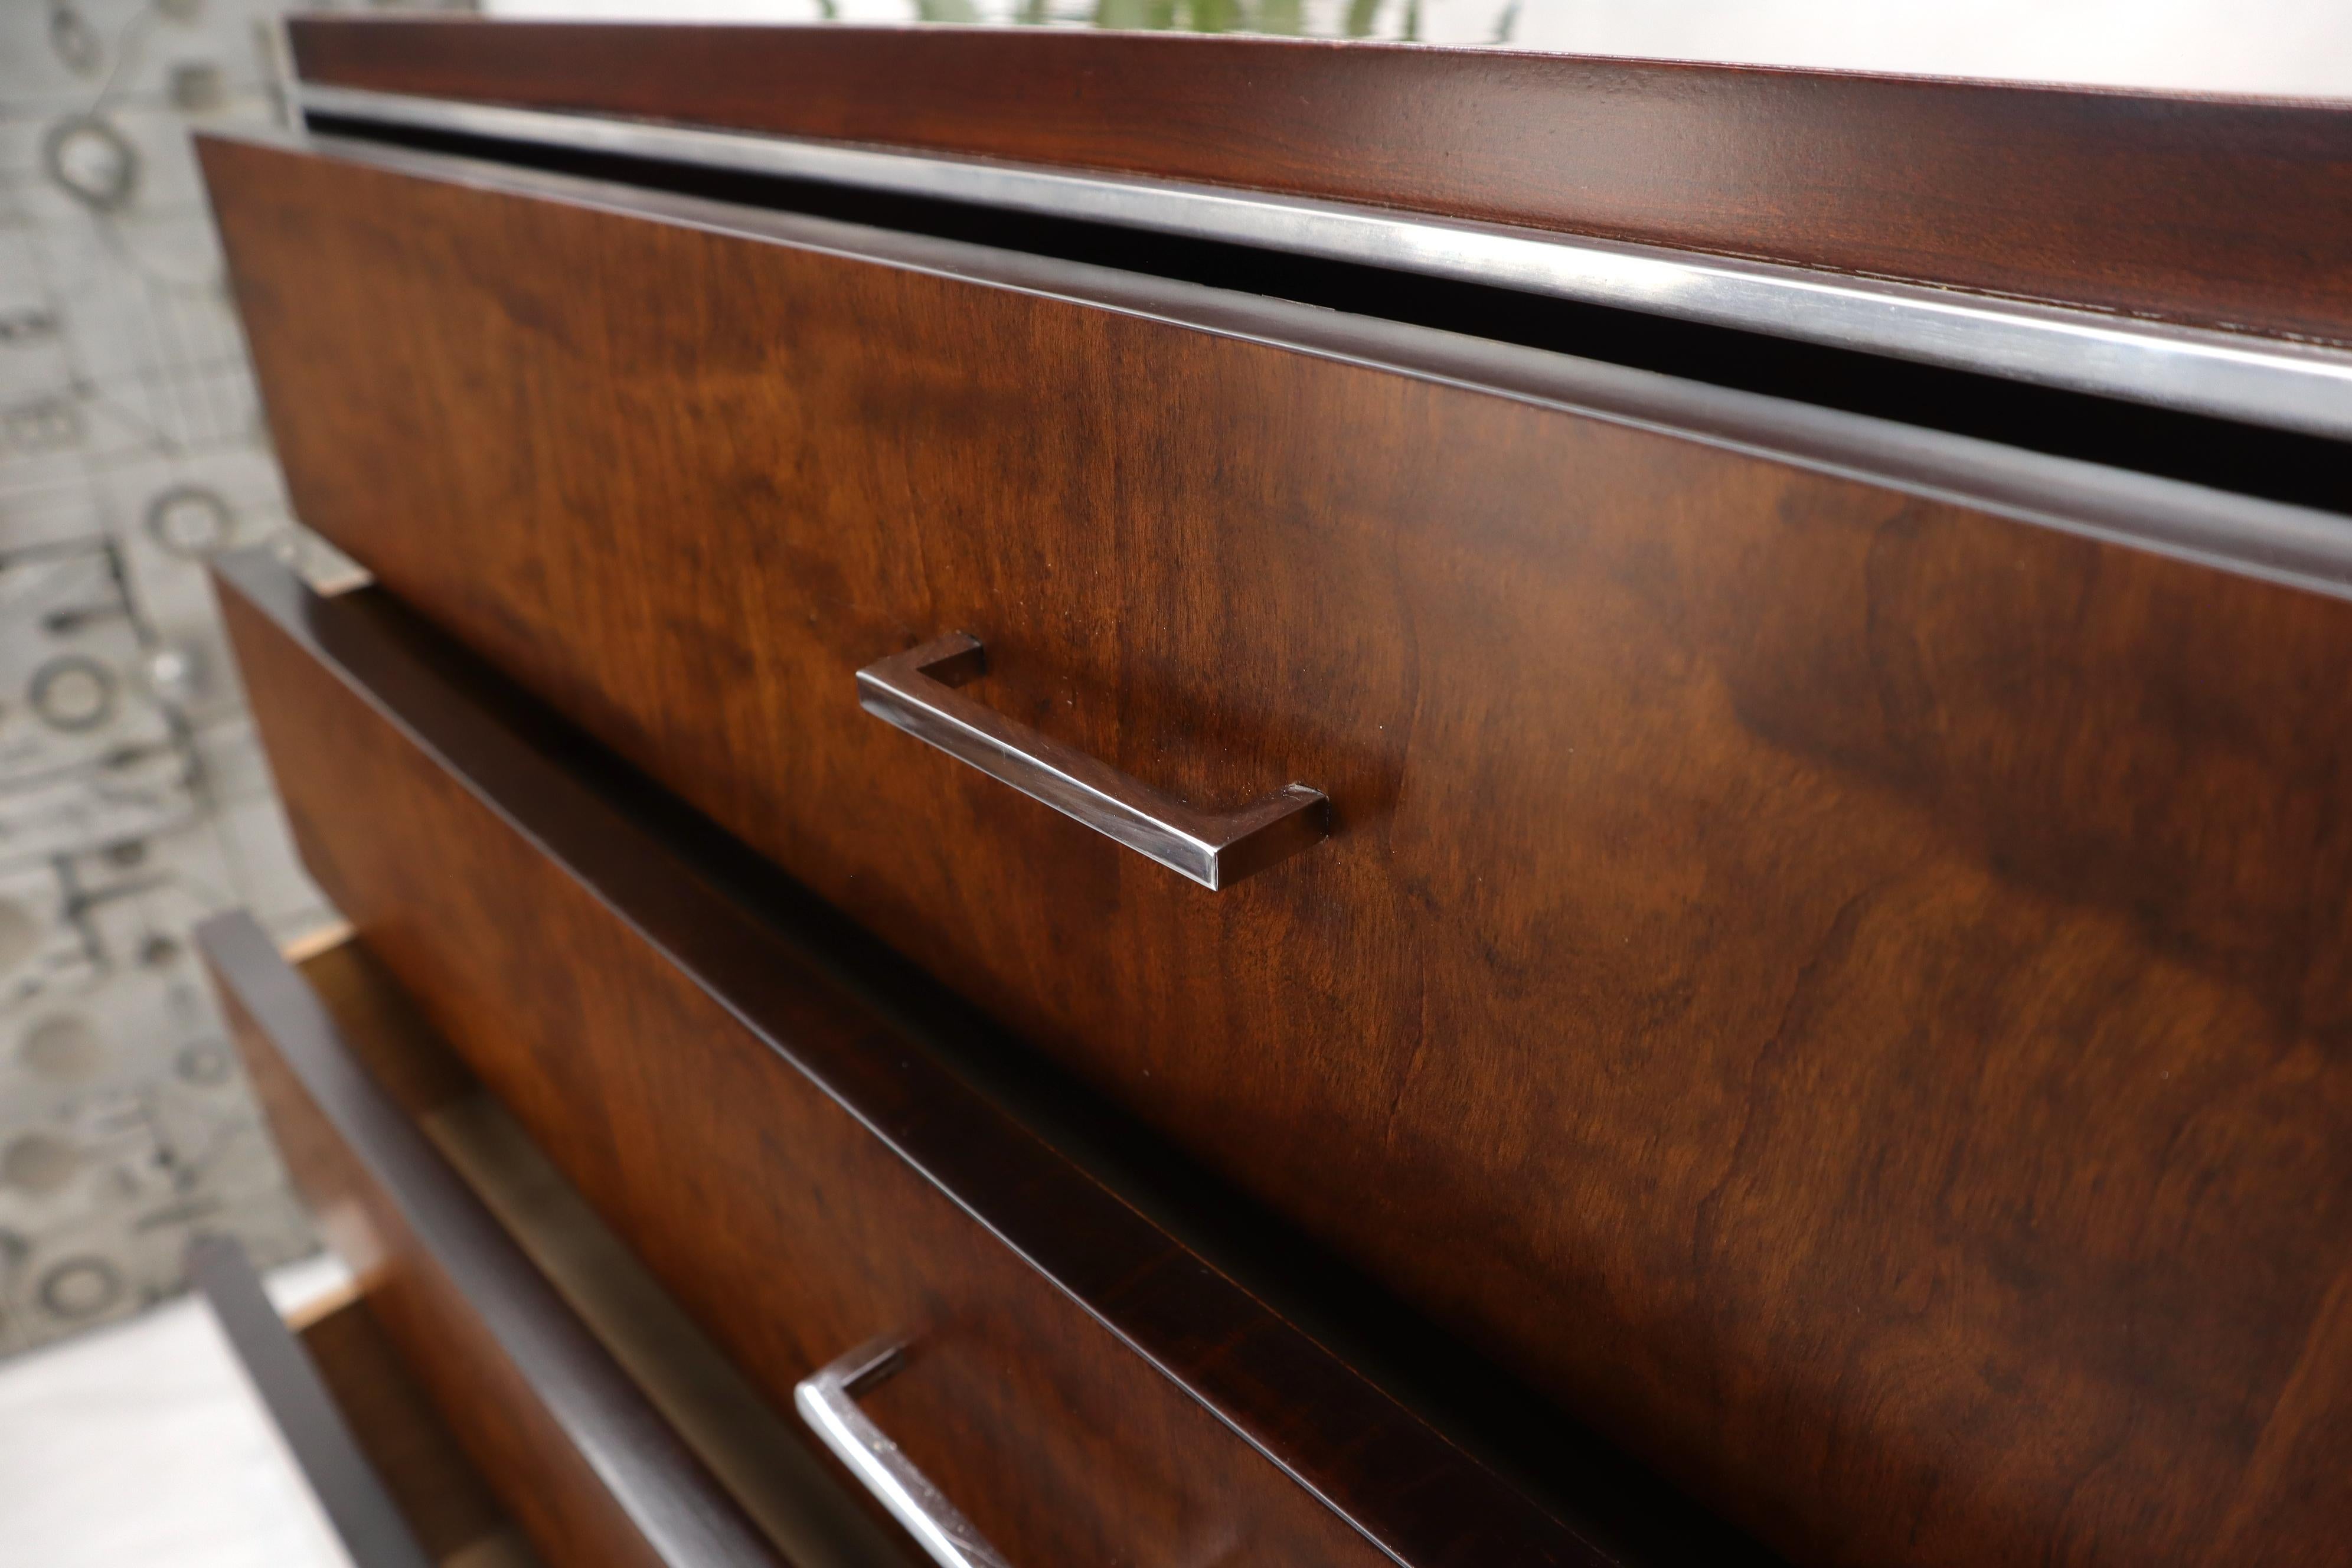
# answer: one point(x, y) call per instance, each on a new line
point(769, 1466)
point(2222, 211)
point(801, 1177)
point(588, 1469)
point(1848, 993)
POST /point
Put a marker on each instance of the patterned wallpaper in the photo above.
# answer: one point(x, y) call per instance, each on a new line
point(133, 798)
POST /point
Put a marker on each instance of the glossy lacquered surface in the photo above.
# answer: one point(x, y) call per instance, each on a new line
point(802, 1175)
point(2227, 213)
point(1837, 987)
point(577, 1453)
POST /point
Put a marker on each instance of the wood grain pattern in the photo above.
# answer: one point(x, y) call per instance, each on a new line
point(814, 1512)
point(380, 1030)
point(2229, 212)
point(785, 1161)
point(572, 1449)
point(774, 1469)
point(1845, 992)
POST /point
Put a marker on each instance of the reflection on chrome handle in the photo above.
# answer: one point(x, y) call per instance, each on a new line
point(913, 690)
point(827, 1398)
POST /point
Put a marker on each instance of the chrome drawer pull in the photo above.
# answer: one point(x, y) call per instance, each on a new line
point(827, 1398)
point(912, 691)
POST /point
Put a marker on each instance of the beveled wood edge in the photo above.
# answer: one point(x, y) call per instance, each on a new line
point(357, 1504)
point(345, 1294)
point(682, 1514)
point(2299, 547)
point(327, 936)
point(1476, 132)
point(1406, 1488)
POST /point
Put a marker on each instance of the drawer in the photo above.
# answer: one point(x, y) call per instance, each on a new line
point(1827, 953)
point(567, 1441)
point(395, 1488)
point(804, 1176)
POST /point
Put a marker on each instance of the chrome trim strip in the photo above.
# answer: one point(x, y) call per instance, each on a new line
point(2264, 381)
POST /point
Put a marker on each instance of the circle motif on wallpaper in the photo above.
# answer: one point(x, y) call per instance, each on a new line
point(80, 1288)
point(20, 934)
point(38, 1162)
point(75, 41)
point(190, 521)
point(92, 162)
point(63, 1049)
point(72, 693)
point(204, 1063)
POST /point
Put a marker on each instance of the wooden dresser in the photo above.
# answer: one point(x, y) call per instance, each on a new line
point(1239, 801)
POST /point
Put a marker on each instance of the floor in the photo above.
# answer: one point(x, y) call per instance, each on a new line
point(141, 1444)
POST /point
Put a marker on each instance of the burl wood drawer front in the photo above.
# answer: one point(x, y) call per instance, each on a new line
point(585, 1465)
point(1847, 991)
point(1078, 1386)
